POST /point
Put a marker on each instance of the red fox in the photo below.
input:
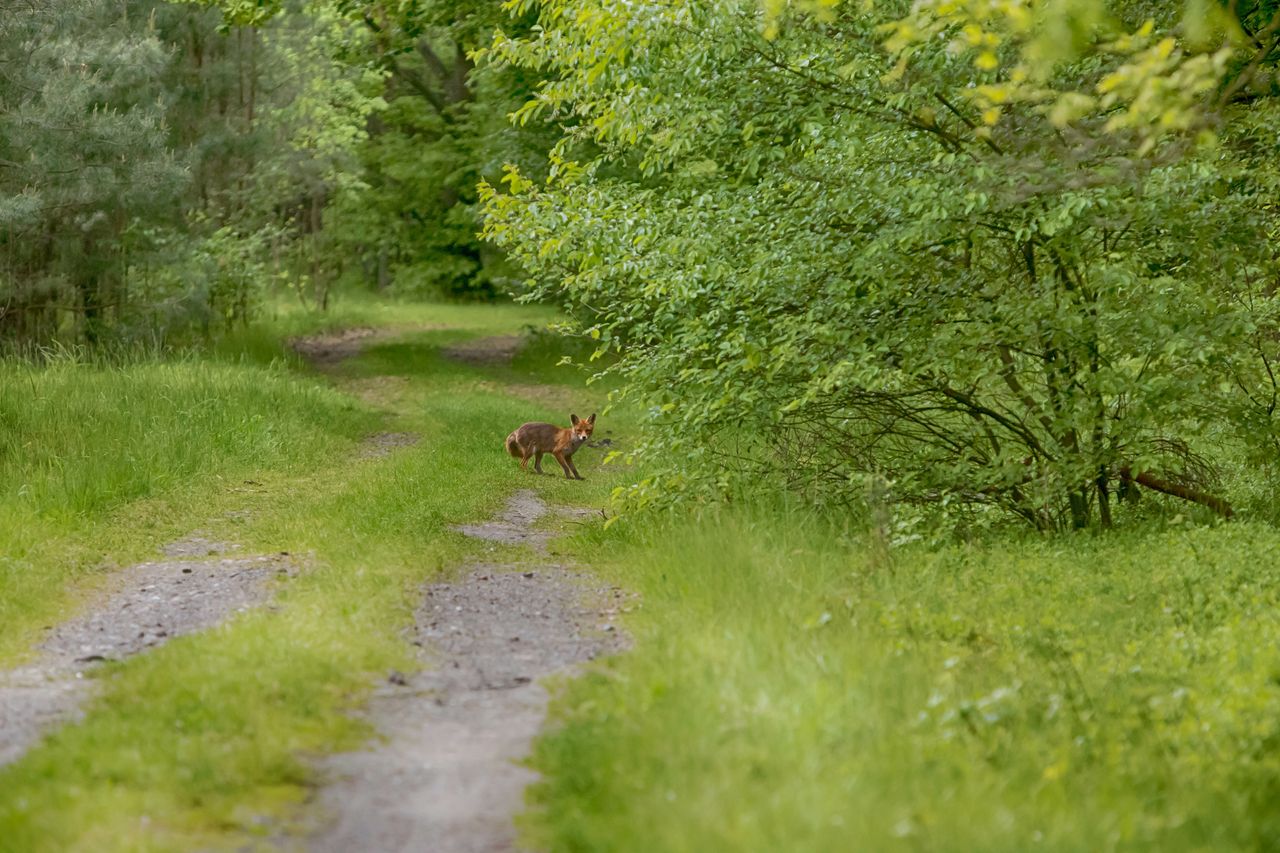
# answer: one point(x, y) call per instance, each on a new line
point(535, 439)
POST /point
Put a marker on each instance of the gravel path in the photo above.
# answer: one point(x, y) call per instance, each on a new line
point(445, 779)
point(149, 604)
point(194, 588)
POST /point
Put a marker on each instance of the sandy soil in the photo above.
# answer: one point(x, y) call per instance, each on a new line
point(445, 778)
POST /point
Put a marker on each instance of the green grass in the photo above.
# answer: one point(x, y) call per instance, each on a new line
point(787, 691)
point(196, 744)
point(1114, 693)
point(97, 461)
point(102, 456)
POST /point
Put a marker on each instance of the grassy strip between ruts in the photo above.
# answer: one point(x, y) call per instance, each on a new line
point(193, 744)
point(1112, 693)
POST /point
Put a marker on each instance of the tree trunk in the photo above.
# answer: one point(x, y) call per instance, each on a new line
point(1104, 498)
point(1079, 504)
point(384, 269)
point(1151, 481)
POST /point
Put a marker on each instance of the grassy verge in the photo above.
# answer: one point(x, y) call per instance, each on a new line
point(1120, 693)
point(195, 744)
point(98, 462)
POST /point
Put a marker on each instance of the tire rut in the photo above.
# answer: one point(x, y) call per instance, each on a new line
point(445, 777)
point(150, 604)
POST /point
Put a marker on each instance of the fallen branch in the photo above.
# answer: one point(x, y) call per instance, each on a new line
point(1151, 481)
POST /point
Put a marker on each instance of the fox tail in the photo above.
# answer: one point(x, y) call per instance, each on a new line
point(513, 446)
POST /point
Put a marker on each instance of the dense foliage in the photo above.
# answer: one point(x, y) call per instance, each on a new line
point(149, 152)
point(164, 165)
point(84, 157)
point(985, 255)
point(442, 128)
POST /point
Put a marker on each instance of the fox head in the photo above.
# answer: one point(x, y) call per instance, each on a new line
point(582, 428)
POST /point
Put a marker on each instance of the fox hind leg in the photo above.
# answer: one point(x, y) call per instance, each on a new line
point(537, 462)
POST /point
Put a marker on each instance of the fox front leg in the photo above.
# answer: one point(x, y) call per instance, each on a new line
point(564, 464)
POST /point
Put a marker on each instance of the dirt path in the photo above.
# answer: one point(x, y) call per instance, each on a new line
point(445, 779)
point(199, 583)
point(496, 349)
point(326, 351)
point(147, 605)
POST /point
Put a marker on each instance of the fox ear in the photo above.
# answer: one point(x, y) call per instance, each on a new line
point(573, 419)
point(592, 419)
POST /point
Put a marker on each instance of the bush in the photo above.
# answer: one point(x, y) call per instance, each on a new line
point(824, 256)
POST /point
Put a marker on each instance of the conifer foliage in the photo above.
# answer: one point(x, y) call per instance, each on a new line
point(84, 157)
point(163, 166)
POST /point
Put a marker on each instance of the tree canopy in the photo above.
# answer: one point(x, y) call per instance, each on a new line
point(164, 165)
point(1011, 255)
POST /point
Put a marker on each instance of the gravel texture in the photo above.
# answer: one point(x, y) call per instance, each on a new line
point(148, 605)
point(445, 778)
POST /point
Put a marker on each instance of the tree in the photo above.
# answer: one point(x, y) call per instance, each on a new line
point(83, 155)
point(407, 210)
point(1006, 256)
point(443, 128)
point(164, 167)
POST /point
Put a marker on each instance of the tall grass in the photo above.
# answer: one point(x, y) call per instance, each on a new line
point(83, 442)
point(205, 742)
point(787, 693)
point(79, 439)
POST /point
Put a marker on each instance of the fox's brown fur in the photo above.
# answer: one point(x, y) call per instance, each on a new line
point(535, 439)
